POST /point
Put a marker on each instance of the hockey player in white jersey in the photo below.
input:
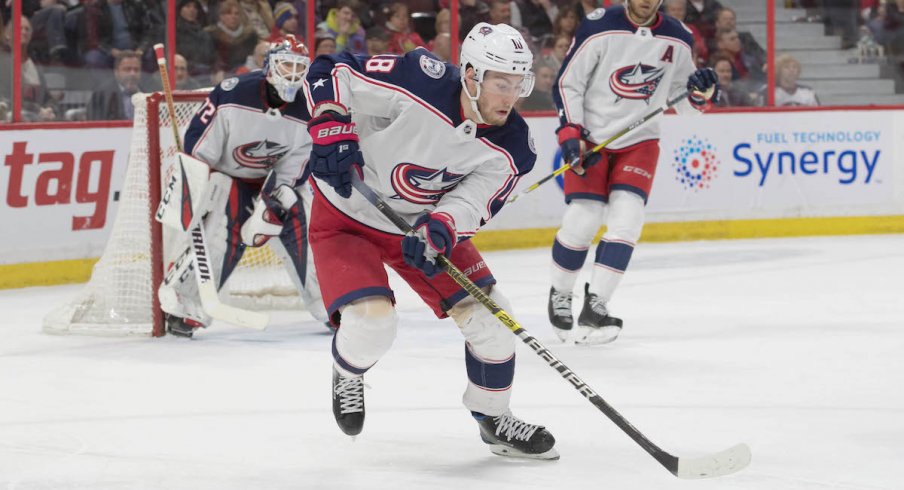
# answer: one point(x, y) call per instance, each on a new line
point(445, 148)
point(625, 61)
point(252, 128)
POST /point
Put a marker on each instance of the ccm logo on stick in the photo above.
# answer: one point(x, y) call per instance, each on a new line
point(53, 185)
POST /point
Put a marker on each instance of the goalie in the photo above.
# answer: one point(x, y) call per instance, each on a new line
point(243, 174)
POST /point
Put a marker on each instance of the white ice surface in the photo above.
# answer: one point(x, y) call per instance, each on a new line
point(794, 346)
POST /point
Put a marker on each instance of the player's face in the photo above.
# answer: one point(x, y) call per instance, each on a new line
point(498, 94)
point(642, 10)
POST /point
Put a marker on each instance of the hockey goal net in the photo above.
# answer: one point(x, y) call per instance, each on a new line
point(121, 296)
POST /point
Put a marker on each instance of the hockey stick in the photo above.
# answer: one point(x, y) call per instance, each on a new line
point(718, 464)
point(567, 165)
point(207, 289)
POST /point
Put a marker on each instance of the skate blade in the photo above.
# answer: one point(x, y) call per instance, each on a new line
point(597, 336)
point(509, 452)
point(564, 335)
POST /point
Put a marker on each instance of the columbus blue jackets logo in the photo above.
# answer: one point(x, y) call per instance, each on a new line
point(422, 185)
point(637, 82)
point(259, 154)
point(485, 30)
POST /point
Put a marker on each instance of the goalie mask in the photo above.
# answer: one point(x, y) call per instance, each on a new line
point(498, 48)
point(286, 65)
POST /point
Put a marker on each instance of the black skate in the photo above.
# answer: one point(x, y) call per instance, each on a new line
point(348, 402)
point(559, 308)
point(595, 325)
point(510, 436)
point(181, 327)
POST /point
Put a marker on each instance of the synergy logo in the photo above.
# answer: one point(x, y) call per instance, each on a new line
point(695, 163)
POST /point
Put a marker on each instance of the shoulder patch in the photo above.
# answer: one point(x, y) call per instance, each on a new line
point(433, 68)
point(229, 83)
point(596, 14)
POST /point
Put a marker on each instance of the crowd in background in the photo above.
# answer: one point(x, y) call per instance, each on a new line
point(82, 59)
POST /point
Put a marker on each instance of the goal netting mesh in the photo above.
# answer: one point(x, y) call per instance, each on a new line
point(120, 298)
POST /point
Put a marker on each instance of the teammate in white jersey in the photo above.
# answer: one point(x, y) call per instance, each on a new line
point(445, 148)
point(624, 62)
point(253, 129)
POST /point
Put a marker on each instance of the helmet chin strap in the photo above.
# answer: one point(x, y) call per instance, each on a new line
point(473, 99)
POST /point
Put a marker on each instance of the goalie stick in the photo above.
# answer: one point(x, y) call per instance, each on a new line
point(207, 285)
point(567, 165)
point(722, 463)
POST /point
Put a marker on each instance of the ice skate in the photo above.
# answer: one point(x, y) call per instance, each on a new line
point(559, 308)
point(348, 402)
point(595, 325)
point(182, 327)
point(510, 436)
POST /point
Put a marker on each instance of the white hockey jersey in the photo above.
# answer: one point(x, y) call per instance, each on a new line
point(419, 153)
point(616, 72)
point(234, 133)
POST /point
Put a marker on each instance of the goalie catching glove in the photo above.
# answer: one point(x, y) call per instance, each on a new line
point(433, 235)
point(271, 210)
point(335, 153)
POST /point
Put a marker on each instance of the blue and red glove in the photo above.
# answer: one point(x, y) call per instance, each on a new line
point(433, 234)
point(699, 82)
point(335, 154)
point(571, 136)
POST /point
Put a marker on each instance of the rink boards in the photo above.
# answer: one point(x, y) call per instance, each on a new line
point(722, 175)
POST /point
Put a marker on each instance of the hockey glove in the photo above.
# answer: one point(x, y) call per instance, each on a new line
point(573, 141)
point(271, 211)
point(703, 85)
point(335, 153)
point(433, 235)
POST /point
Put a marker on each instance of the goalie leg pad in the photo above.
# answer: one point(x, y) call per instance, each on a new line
point(582, 219)
point(367, 331)
point(183, 198)
point(489, 355)
point(178, 293)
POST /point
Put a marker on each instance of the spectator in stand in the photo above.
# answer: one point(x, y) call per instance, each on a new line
point(48, 40)
point(732, 94)
point(442, 46)
point(113, 99)
point(540, 99)
point(343, 23)
point(183, 80)
point(748, 67)
point(258, 16)
point(470, 13)
point(401, 38)
point(534, 17)
point(678, 10)
point(113, 26)
point(584, 7)
point(566, 23)
point(726, 19)
point(255, 61)
point(841, 19)
point(208, 11)
point(443, 25)
point(37, 105)
point(787, 91)
point(888, 30)
point(702, 15)
point(192, 41)
point(377, 39)
point(233, 37)
point(324, 44)
point(286, 21)
point(556, 55)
